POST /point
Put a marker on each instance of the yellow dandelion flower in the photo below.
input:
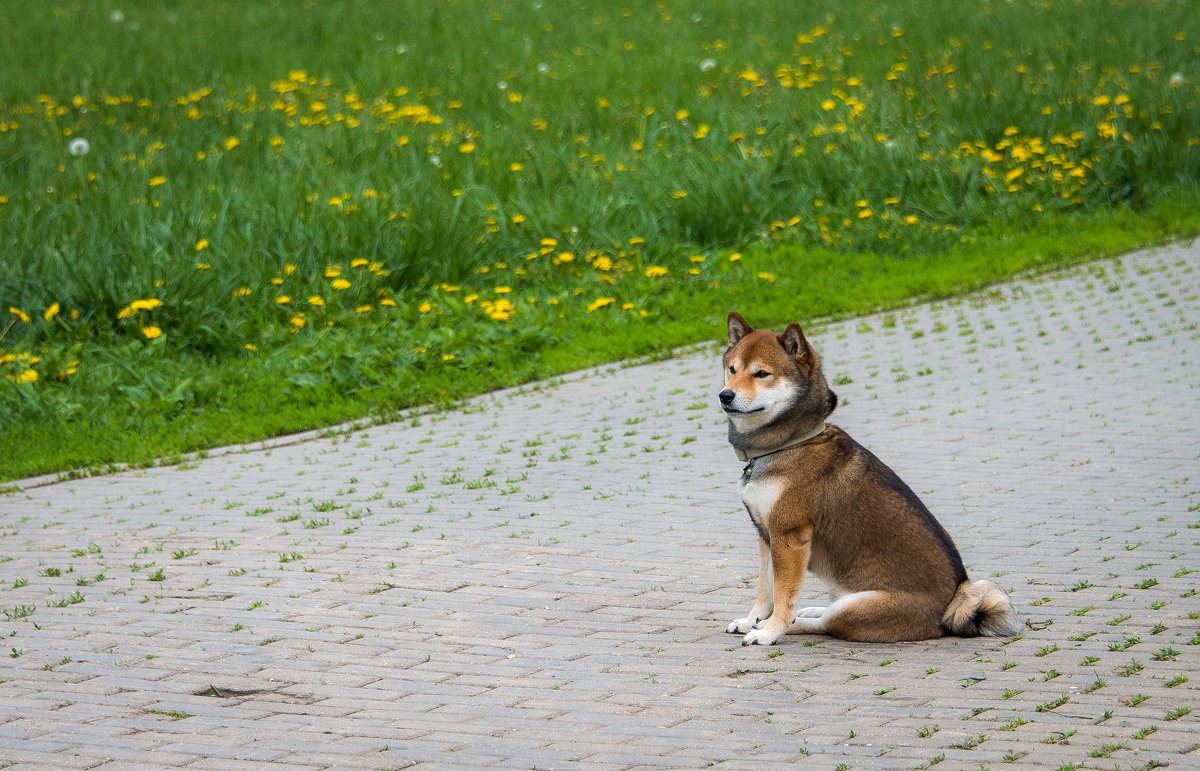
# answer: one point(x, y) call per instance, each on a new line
point(600, 303)
point(316, 300)
point(202, 266)
point(501, 310)
point(156, 181)
point(424, 307)
point(655, 270)
point(297, 321)
point(466, 148)
point(388, 302)
point(151, 332)
point(503, 289)
point(333, 271)
point(828, 105)
point(283, 299)
point(231, 142)
point(681, 114)
point(363, 309)
point(51, 312)
point(28, 376)
point(636, 241)
point(358, 262)
point(251, 347)
point(340, 284)
point(243, 291)
point(202, 244)
point(864, 214)
point(447, 357)
point(565, 257)
point(678, 194)
point(603, 263)
point(470, 298)
point(768, 277)
point(138, 305)
point(735, 256)
point(517, 219)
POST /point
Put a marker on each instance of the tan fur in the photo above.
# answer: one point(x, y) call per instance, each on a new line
point(822, 502)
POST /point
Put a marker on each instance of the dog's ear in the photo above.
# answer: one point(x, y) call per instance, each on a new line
point(737, 328)
point(796, 346)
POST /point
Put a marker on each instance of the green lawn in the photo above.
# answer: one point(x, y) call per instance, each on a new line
point(224, 221)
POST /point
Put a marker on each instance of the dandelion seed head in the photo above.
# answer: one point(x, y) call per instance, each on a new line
point(708, 65)
point(1176, 80)
point(79, 146)
point(543, 68)
point(116, 17)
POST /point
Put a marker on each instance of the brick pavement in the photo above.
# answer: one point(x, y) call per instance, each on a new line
point(542, 578)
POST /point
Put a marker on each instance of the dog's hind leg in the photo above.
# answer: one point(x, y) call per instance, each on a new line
point(815, 612)
point(875, 616)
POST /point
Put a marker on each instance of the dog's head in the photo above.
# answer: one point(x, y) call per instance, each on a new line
point(769, 375)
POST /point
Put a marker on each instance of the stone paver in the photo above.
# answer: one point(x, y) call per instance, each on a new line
point(542, 578)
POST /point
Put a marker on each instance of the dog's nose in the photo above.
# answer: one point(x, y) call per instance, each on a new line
point(726, 397)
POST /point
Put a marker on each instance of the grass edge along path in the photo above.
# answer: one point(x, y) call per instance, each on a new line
point(806, 286)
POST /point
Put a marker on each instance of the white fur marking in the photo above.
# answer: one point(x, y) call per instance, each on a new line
point(760, 496)
point(804, 623)
point(767, 404)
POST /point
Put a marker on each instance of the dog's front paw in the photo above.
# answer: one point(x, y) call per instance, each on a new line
point(766, 636)
point(742, 625)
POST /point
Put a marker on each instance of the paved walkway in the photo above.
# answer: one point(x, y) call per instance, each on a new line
point(542, 579)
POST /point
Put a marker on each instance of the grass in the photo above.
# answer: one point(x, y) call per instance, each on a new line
point(211, 236)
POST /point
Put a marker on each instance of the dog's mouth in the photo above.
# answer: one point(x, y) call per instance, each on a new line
point(735, 411)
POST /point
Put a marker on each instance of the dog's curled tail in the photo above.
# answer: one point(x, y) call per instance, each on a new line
point(980, 608)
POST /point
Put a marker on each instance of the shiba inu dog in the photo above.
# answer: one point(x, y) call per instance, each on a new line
point(822, 502)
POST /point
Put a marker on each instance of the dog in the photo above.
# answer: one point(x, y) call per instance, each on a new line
point(822, 502)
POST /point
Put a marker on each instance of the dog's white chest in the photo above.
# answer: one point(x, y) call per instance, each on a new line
point(759, 496)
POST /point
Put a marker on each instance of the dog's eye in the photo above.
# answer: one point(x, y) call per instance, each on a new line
point(731, 369)
point(762, 373)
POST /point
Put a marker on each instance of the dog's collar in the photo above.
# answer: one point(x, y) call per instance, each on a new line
point(745, 456)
